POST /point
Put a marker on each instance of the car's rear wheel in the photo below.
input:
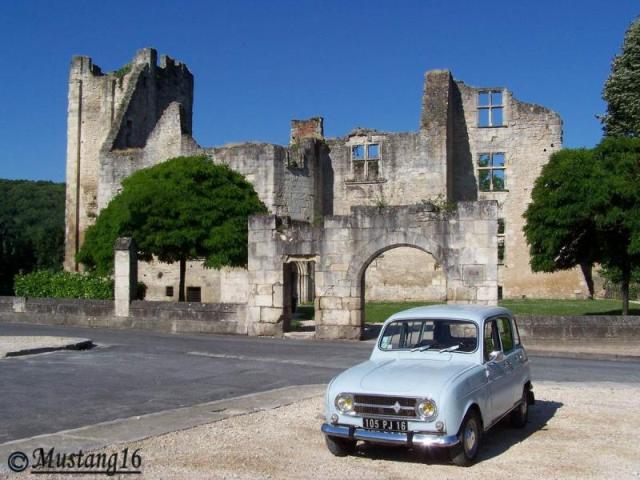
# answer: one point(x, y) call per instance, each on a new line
point(340, 447)
point(469, 435)
point(520, 415)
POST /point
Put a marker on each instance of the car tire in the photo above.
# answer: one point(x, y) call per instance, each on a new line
point(470, 435)
point(520, 415)
point(340, 447)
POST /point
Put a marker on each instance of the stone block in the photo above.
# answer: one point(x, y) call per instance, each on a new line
point(328, 303)
point(278, 296)
point(336, 317)
point(335, 332)
point(253, 314)
point(270, 314)
point(263, 289)
point(352, 303)
point(266, 329)
point(263, 300)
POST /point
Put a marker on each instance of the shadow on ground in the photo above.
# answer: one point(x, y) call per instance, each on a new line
point(495, 442)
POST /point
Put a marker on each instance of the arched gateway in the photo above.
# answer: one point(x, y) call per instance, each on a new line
point(464, 242)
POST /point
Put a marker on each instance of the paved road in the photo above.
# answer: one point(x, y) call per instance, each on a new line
point(132, 373)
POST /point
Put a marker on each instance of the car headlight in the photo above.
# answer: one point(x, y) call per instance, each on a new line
point(344, 403)
point(426, 409)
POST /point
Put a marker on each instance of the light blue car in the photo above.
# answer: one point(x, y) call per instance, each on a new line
point(438, 376)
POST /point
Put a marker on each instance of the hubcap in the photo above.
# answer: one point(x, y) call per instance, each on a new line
point(470, 437)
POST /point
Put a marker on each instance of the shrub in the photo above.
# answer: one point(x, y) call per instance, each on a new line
point(45, 283)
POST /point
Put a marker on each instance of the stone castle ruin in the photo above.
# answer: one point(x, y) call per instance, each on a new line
point(432, 214)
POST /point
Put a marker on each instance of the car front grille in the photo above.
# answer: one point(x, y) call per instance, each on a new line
point(379, 405)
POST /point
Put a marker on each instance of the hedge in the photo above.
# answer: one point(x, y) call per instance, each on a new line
point(48, 284)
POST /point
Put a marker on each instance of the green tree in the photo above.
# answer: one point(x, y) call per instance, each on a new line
point(615, 205)
point(185, 208)
point(31, 228)
point(622, 88)
point(586, 209)
point(559, 227)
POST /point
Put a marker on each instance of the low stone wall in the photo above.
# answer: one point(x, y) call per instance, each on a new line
point(227, 318)
point(588, 328)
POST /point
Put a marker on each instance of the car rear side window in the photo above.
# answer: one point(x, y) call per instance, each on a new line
point(506, 334)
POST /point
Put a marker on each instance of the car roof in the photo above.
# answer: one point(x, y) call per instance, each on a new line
point(475, 313)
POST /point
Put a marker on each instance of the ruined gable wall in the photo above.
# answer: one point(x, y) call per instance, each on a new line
point(409, 174)
point(531, 133)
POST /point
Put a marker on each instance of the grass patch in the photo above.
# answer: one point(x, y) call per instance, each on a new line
point(375, 312)
point(536, 306)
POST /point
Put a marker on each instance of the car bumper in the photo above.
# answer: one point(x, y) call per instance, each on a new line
point(417, 439)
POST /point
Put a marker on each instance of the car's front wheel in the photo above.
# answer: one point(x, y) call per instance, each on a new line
point(340, 447)
point(470, 435)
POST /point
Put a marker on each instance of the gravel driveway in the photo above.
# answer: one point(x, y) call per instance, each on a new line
point(575, 431)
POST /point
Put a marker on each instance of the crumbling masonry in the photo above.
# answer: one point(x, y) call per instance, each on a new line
point(456, 189)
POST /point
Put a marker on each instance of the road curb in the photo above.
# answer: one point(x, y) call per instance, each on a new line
point(132, 429)
point(83, 344)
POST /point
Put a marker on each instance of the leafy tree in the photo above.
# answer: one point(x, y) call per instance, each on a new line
point(31, 228)
point(559, 228)
point(185, 208)
point(615, 205)
point(586, 209)
point(622, 88)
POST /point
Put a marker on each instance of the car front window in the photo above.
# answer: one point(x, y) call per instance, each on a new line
point(430, 334)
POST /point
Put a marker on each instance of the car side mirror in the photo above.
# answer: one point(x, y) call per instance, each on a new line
point(496, 356)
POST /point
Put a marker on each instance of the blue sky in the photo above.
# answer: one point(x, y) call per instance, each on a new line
point(258, 64)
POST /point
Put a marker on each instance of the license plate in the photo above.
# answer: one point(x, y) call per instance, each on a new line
point(384, 425)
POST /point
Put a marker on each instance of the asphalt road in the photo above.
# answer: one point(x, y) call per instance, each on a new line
point(132, 373)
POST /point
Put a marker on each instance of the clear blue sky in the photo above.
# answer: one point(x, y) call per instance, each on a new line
point(258, 64)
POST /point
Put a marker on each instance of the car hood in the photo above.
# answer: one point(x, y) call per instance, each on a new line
point(420, 377)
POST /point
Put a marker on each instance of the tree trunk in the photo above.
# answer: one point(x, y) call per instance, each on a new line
point(626, 278)
point(588, 277)
point(183, 272)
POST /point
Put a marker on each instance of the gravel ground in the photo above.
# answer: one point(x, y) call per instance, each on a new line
point(575, 431)
point(10, 344)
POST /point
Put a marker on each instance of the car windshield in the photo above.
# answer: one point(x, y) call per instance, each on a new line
point(430, 334)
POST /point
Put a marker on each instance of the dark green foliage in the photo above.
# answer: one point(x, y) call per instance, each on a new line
point(48, 284)
point(559, 225)
point(586, 209)
point(616, 207)
point(622, 89)
point(184, 208)
point(31, 228)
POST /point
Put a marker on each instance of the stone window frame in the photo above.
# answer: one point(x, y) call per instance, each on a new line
point(491, 107)
point(364, 178)
point(501, 240)
point(491, 168)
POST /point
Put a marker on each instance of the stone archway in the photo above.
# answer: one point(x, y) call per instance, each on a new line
point(362, 273)
point(464, 242)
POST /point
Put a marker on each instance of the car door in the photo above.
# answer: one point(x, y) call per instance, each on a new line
point(497, 372)
point(512, 359)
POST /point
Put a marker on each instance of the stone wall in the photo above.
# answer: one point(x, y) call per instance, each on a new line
point(226, 285)
point(530, 134)
point(156, 316)
point(463, 242)
point(591, 328)
point(405, 274)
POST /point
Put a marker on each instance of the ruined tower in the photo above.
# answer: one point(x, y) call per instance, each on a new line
point(118, 123)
